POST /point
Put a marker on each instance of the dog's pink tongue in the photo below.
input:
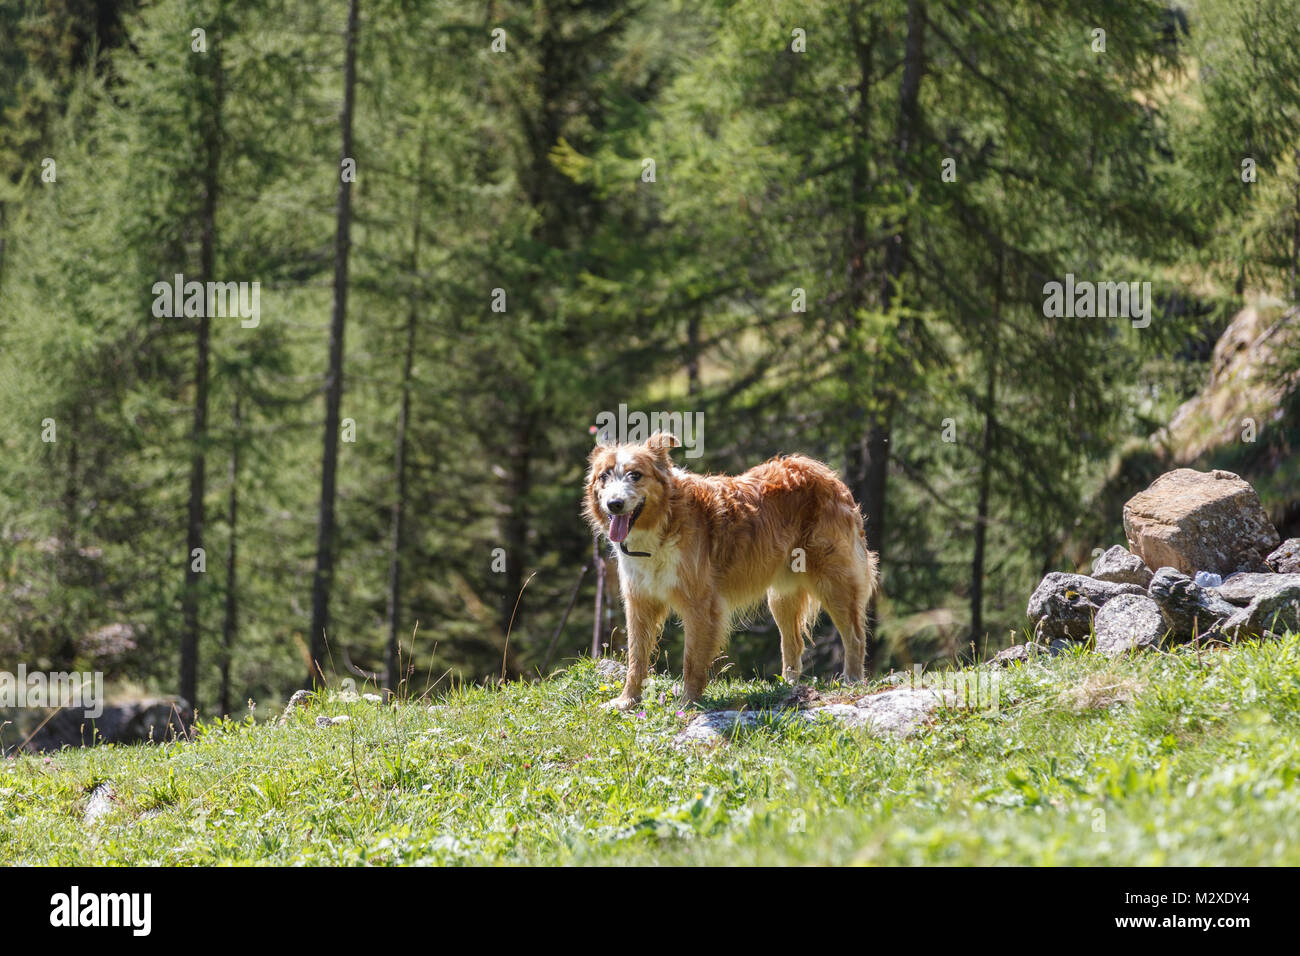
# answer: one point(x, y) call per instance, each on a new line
point(619, 526)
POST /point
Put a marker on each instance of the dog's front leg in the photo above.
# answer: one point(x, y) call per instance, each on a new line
point(704, 640)
point(645, 620)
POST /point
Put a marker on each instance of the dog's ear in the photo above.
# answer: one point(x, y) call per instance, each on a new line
point(661, 443)
point(600, 446)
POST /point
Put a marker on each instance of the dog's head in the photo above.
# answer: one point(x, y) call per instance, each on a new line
point(629, 485)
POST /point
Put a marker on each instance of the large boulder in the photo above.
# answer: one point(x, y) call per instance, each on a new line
point(1129, 622)
point(1063, 605)
point(1199, 521)
point(1119, 565)
point(1286, 559)
point(1274, 609)
point(1188, 609)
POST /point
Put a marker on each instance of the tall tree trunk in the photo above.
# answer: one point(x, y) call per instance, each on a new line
point(1295, 234)
point(323, 580)
point(867, 459)
point(857, 453)
point(519, 484)
point(198, 454)
point(896, 251)
point(392, 663)
point(230, 623)
point(71, 488)
point(986, 470)
point(69, 570)
point(693, 354)
point(982, 511)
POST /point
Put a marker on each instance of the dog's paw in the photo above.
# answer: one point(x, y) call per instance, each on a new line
point(620, 703)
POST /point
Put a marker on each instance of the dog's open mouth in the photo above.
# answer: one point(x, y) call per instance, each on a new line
point(620, 526)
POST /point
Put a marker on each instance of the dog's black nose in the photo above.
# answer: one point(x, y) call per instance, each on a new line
point(615, 507)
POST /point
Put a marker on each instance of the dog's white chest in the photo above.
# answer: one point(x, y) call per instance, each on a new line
point(653, 574)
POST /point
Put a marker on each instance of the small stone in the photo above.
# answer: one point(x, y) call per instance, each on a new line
point(101, 801)
point(714, 727)
point(1017, 652)
point(1130, 622)
point(1241, 589)
point(1286, 559)
point(323, 721)
point(300, 698)
point(1119, 565)
point(1276, 609)
point(1063, 605)
point(611, 669)
point(1188, 609)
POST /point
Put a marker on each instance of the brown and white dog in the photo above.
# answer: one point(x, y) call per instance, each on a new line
point(710, 547)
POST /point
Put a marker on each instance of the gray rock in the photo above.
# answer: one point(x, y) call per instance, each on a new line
point(1119, 565)
point(1276, 609)
point(148, 720)
point(1017, 652)
point(900, 712)
point(1241, 589)
point(846, 714)
point(1063, 605)
point(611, 669)
point(300, 698)
point(714, 727)
point(1286, 559)
point(1188, 609)
point(101, 802)
point(1129, 622)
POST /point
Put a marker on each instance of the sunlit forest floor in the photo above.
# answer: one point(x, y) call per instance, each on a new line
point(1181, 758)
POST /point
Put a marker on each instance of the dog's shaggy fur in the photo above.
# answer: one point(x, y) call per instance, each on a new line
point(711, 547)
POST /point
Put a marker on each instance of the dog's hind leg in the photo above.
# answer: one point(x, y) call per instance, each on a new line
point(847, 607)
point(705, 635)
point(793, 613)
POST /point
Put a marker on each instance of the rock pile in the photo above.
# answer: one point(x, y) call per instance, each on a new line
point(1203, 562)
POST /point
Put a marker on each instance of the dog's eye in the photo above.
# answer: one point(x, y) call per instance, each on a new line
point(635, 476)
point(603, 475)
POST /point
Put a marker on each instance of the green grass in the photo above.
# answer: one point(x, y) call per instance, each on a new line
point(1159, 759)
